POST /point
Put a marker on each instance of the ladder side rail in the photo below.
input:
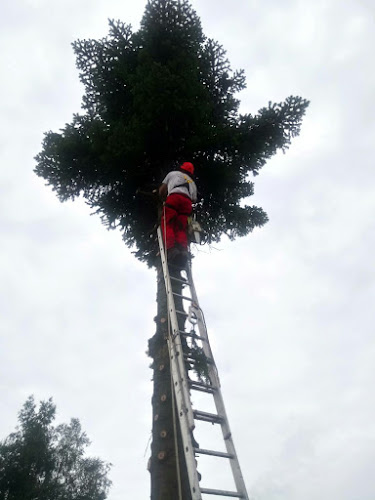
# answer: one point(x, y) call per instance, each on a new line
point(218, 398)
point(229, 444)
point(177, 352)
point(180, 384)
point(225, 428)
point(202, 328)
point(212, 370)
point(183, 421)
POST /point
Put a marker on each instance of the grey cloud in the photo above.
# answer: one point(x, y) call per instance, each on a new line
point(289, 309)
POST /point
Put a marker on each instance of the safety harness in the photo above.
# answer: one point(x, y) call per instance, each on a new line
point(173, 208)
point(186, 185)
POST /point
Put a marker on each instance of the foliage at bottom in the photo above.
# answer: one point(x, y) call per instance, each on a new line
point(40, 461)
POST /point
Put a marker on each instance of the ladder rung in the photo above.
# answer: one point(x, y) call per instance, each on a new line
point(175, 266)
point(213, 453)
point(183, 313)
point(208, 417)
point(182, 296)
point(180, 280)
point(221, 493)
point(200, 386)
point(192, 335)
point(190, 359)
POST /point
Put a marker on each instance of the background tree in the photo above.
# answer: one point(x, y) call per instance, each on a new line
point(154, 98)
point(40, 461)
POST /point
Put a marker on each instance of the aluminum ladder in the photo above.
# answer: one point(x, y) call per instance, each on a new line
point(182, 386)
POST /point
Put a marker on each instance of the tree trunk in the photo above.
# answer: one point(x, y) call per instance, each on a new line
point(163, 464)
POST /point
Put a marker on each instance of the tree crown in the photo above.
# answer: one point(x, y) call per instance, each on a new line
point(153, 99)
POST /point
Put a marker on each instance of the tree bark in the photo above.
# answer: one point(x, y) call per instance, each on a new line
point(163, 462)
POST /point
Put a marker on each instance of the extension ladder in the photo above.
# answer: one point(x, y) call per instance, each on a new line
point(182, 385)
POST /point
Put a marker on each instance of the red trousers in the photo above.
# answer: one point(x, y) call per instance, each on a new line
point(174, 220)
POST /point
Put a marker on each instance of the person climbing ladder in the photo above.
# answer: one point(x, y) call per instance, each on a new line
point(180, 192)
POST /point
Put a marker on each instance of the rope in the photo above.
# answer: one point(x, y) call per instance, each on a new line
point(179, 484)
point(165, 245)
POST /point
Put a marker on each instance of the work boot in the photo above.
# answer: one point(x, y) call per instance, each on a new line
point(181, 258)
point(172, 254)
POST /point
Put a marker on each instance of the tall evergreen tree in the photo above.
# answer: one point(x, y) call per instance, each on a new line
point(153, 99)
point(44, 462)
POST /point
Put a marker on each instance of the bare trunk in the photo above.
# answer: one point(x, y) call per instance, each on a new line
point(163, 463)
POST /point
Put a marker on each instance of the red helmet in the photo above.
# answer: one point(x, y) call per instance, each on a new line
point(189, 167)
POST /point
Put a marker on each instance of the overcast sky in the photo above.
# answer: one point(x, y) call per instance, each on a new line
point(290, 308)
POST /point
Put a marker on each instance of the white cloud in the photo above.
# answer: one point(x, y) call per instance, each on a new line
point(290, 308)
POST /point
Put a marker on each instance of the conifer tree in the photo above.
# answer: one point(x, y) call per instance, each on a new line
point(46, 462)
point(154, 98)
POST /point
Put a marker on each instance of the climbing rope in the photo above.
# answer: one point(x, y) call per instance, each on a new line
point(179, 484)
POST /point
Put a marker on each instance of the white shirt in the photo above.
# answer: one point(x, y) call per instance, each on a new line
point(181, 182)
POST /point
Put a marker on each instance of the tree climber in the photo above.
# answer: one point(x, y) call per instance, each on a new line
point(180, 190)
